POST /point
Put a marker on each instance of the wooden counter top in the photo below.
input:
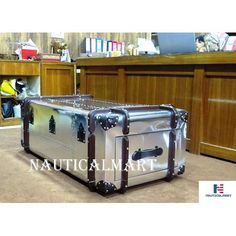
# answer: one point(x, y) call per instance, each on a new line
point(168, 59)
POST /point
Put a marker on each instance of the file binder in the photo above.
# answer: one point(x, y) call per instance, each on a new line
point(109, 46)
point(119, 45)
point(87, 45)
point(104, 48)
point(99, 45)
point(123, 48)
point(114, 46)
point(93, 45)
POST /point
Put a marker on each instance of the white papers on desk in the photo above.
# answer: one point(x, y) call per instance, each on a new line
point(146, 46)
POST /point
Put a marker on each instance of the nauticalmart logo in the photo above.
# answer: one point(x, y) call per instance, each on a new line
point(218, 191)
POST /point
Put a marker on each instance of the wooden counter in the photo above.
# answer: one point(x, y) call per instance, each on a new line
point(44, 78)
point(204, 84)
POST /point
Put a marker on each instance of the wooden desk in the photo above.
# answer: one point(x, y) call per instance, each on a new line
point(44, 77)
point(204, 84)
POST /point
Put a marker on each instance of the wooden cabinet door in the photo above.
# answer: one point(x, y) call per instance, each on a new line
point(57, 79)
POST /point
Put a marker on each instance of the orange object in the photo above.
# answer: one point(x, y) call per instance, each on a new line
point(28, 53)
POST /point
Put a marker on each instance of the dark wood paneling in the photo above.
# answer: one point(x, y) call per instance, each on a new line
point(196, 112)
point(174, 90)
point(220, 112)
point(57, 79)
point(121, 86)
point(203, 84)
point(102, 86)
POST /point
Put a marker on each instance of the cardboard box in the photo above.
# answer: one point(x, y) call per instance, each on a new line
point(48, 57)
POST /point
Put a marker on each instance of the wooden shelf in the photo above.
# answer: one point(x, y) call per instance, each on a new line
point(10, 121)
point(19, 68)
point(4, 96)
point(45, 78)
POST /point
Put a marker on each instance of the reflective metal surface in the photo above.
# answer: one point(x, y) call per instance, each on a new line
point(148, 130)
